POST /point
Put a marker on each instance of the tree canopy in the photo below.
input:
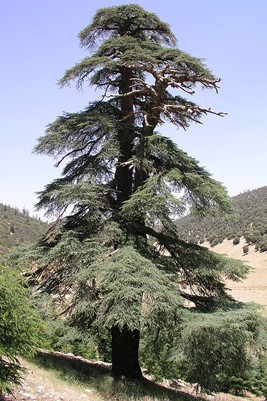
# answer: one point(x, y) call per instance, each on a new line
point(114, 246)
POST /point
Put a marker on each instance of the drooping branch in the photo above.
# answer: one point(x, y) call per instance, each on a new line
point(81, 149)
point(205, 302)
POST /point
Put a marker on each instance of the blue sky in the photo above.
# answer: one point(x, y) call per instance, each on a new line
point(39, 42)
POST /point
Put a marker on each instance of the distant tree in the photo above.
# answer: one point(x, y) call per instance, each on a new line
point(263, 244)
point(114, 243)
point(248, 220)
point(236, 241)
point(214, 242)
point(245, 249)
point(12, 228)
point(252, 234)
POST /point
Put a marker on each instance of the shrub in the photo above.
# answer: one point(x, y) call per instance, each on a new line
point(20, 330)
point(263, 245)
point(236, 241)
point(218, 352)
point(214, 242)
point(245, 249)
point(63, 335)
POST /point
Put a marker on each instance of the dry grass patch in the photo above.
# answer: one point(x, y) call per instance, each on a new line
point(254, 287)
point(51, 385)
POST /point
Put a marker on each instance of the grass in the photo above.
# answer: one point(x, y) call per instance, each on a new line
point(50, 384)
point(86, 375)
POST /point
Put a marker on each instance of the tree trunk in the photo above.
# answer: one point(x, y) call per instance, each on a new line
point(125, 345)
point(123, 174)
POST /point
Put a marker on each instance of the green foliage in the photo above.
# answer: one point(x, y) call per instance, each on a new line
point(263, 244)
point(220, 351)
point(224, 350)
point(236, 241)
point(136, 291)
point(245, 249)
point(114, 257)
point(20, 329)
point(61, 335)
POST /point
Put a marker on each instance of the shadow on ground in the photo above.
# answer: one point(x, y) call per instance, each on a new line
point(98, 375)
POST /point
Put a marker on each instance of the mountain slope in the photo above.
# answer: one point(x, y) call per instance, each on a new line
point(17, 228)
point(254, 287)
point(249, 219)
point(242, 235)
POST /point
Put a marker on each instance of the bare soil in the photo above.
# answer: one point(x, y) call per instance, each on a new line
point(254, 287)
point(43, 385)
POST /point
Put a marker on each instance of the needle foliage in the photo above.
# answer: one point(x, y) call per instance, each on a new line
point(20, 328)
point(114, 254)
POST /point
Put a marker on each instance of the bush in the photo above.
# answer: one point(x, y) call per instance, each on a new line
point(218, 352)
point(20, 329)
point(236, 241)
point(245, 249)
point(213, 243)
point(263, 245)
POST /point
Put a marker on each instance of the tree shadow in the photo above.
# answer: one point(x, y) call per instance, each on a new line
point(98, 375)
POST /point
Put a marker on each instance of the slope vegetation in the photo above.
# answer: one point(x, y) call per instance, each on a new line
point(17, 228)
point(254, 287)
point(242, 235)
point(249, 219)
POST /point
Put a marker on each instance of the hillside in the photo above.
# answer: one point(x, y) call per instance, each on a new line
point(17, 228)
point(242, 235)
point(49, 380)
point(254, 287)
point(249, 219)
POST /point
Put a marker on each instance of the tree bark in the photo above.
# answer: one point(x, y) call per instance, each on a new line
point(123, 174)
point(125, 342)
point(125, 345)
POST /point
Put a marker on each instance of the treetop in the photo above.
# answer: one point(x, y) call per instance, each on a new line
point(126, 20)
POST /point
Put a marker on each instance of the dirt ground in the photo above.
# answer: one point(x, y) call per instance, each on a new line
point(43, 385)
point(254, 287)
